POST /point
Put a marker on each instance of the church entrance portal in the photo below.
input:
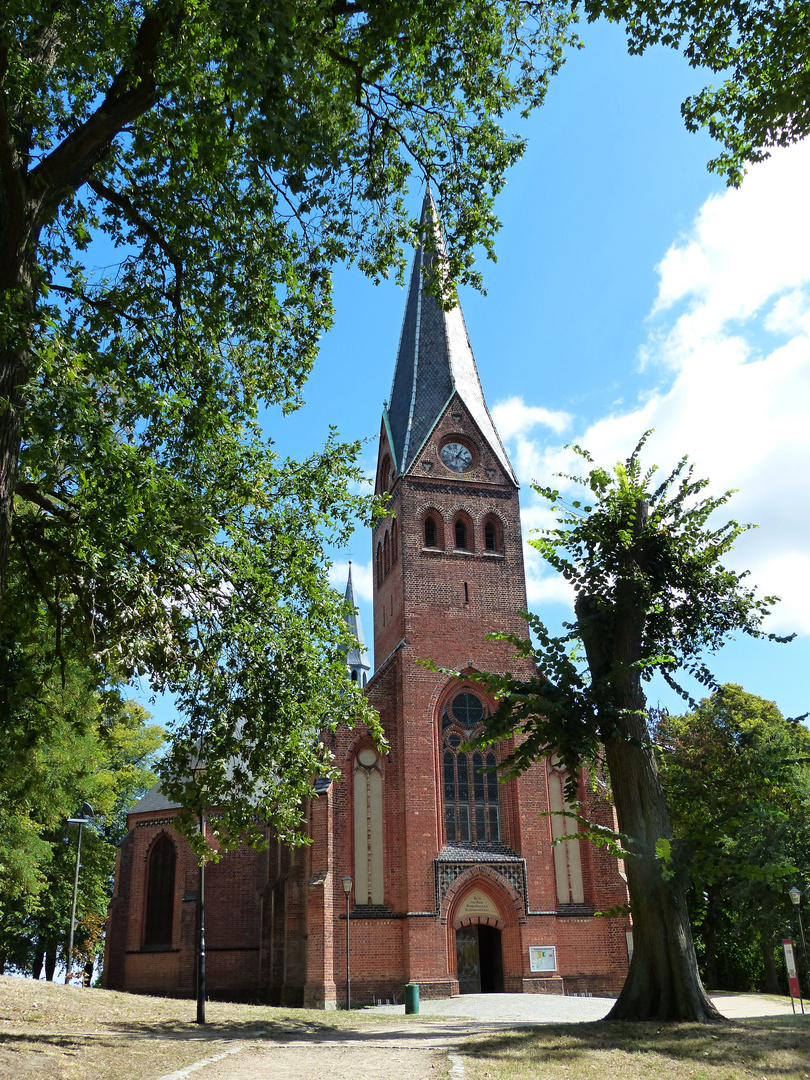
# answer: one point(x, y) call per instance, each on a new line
point(480, 964)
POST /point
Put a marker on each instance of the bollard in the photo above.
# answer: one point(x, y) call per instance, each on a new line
point(412, 998)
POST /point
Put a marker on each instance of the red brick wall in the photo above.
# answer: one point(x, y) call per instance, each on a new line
point(232, 917)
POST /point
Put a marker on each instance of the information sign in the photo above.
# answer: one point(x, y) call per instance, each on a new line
point(542, 958)
point(790, 963)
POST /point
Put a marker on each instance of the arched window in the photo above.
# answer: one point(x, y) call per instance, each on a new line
point(493, 534)
point(379, 564)
point(368, 828)
point(354, 675)
point(394, 543)
point(160, 894)
point(430, 532)
point(471, 799)
point(386, 474)
point(386, 554)
point(461, 535)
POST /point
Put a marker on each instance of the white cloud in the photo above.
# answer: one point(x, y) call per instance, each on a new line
point(512, 417)
point(746, 246)
point(731, 329)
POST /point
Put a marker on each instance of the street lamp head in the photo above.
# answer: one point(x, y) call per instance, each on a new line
point(795, 896)
point(85, 814)
point(347, 884)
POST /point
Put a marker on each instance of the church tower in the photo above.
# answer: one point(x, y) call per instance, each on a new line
point(487, 901)
point(449, 558)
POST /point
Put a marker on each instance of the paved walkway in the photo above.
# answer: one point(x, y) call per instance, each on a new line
point(557, 1009)
point(414, 1050)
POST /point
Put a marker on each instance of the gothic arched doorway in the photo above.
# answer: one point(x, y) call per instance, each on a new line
point(479, 959)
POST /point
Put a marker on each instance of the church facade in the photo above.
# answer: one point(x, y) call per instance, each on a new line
point(456, 882)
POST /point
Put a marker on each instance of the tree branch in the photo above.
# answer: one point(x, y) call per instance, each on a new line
point(134, 215)
point(343, 7)
point(33, 495)
point(131, 94)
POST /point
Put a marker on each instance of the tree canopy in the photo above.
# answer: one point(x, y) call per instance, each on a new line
point(64, 742)
point(176, 182)
point(736, 776)
point(759, 48)
point(651, 594)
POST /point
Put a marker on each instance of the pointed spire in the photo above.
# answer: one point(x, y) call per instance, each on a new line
point(356, 659)
point(434, 361)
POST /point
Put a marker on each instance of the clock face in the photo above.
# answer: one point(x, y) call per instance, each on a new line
point(456, 456)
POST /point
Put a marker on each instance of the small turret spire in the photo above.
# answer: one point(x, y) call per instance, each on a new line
point(356, 658)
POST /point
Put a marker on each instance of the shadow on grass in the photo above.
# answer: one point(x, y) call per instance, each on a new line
point(257, 1028)
point(753, 1043)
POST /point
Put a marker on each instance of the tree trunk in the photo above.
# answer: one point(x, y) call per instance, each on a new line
point(663, 982)
point(50, 961)
point(710, 942)
point(39, 959)
point(11, 374)
point(771, 978)
point(18, 242)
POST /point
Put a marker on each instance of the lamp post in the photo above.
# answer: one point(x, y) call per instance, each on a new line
point(796, 897)
point(347, 888)
point(197, 769)
point(81, 819)
point(201, 932)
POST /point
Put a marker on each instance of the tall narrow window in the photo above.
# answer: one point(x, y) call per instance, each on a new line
point(394, 551)
point(386, 554)
point(461, 535)
point(368, 828)
point(471, 802)
point(489, 536)
point(379, 564)
point(430, 532)
point(386, 477)
point(160, 894)
point(567, 857)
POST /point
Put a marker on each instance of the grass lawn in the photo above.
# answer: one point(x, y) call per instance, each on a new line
point(767, 1048)
point(53, 1032)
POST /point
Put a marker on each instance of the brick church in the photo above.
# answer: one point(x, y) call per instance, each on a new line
point(455, 881)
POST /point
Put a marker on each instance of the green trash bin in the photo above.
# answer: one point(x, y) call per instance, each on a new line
point(411, 998)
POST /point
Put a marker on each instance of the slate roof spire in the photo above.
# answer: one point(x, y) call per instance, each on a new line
point(434, 361)
point(357, 658)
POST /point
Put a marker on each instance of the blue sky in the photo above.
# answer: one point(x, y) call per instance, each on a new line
point(632, 290)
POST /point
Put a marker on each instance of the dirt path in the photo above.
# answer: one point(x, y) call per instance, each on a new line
point(366, 1054)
